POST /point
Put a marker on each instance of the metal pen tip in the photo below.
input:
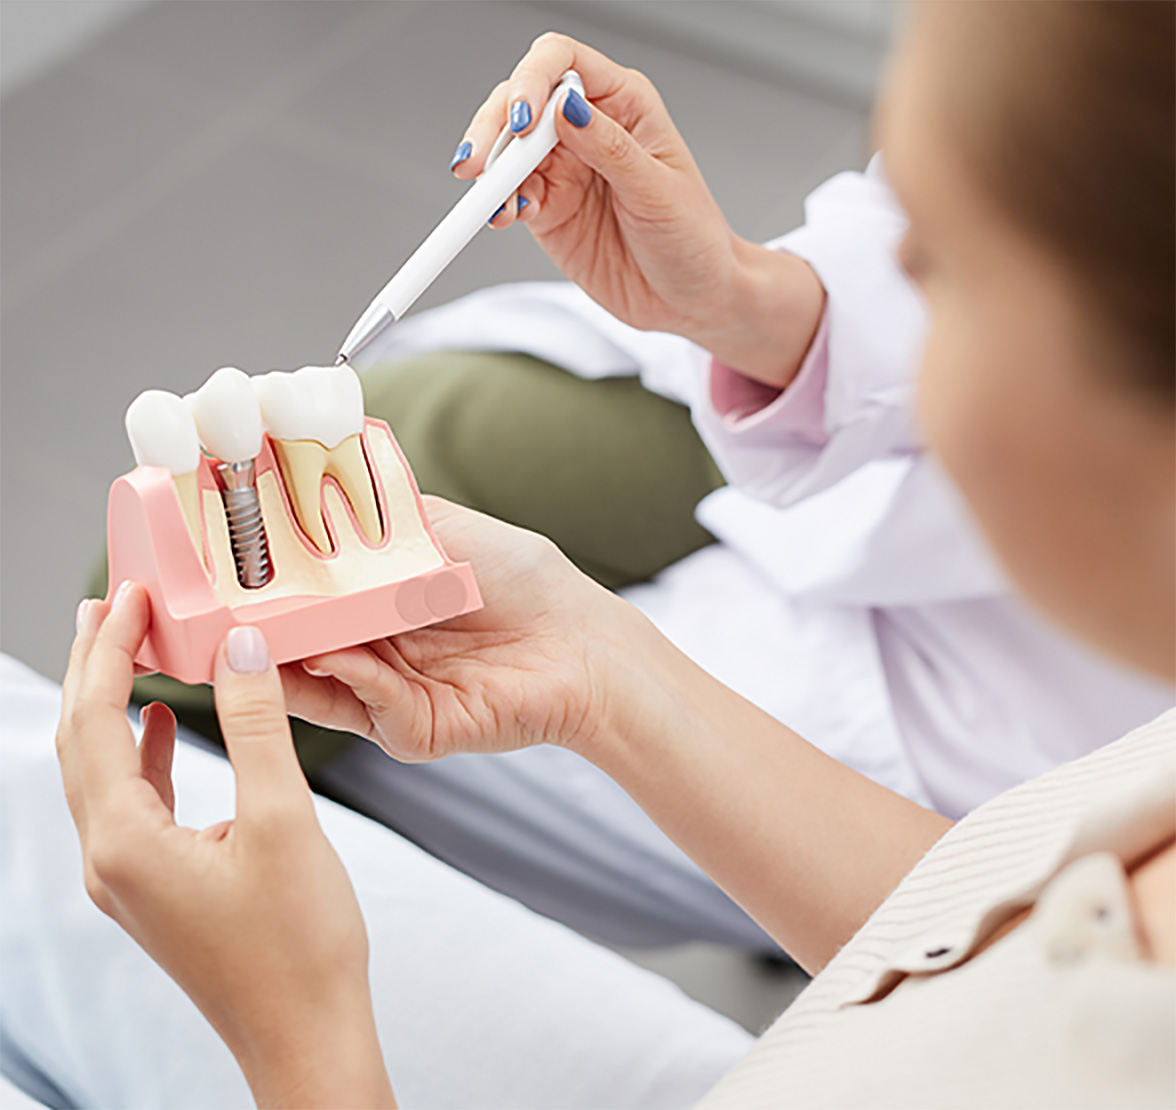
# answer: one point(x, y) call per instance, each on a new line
point(372, 324)
point(341, 359)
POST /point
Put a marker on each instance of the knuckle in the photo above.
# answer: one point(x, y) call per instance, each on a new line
point(617, 147)
point(280, 825)
point(109, 862)
point(96, 889)
point(251, 712)
point(550, 38)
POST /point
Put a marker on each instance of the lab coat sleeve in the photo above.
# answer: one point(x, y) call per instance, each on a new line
point(852, 402)
point(841, 434)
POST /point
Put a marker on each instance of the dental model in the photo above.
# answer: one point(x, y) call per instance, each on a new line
point(163, 433)
point(332, 547)
point(315, 420)
point(228, 421)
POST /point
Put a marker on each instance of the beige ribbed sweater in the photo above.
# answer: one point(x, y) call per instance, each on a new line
point(1062, 1012)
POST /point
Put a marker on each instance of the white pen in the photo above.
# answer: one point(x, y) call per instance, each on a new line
point(510, 162)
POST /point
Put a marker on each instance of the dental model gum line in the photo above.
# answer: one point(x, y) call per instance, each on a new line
point(315, 420)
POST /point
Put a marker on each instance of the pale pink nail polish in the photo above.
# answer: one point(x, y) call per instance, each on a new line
point(83, 608)
point(246, 650)
point(120, 595)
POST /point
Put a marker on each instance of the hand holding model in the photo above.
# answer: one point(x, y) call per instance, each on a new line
point(529, 668)
point(621, 208)
point(255, 918)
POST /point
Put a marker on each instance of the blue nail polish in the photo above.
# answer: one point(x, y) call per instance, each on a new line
point(576, 110)
point(520, 116)
point(523, 202)
point(501, 209)
point(462, 153)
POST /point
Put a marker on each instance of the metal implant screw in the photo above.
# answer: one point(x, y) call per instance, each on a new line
point(246, 527)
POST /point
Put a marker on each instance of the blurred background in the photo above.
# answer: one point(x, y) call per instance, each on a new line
point(186, 184)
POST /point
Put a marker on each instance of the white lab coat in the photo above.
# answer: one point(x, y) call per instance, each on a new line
point(850, 594)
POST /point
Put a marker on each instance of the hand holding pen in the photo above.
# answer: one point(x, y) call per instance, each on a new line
point(622, 209)
point(602, 179)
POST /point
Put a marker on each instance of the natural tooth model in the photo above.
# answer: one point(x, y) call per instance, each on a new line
point(315, 420)
point(163, 433)
point(228, 421)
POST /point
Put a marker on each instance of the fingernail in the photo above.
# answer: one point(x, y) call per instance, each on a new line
point(576, 110)
point(501, 209)
point(462, 153)
point(83, 610)
point(523, 202)
point(313, 671)
point(520, 116)
point(120, 595)
point(246, 650)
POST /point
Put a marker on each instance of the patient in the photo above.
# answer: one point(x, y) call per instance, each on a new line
point(1024, 956)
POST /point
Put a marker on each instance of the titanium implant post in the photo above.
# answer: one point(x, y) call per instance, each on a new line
point(246, 527)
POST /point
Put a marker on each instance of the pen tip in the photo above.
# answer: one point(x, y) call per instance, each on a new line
point(340, 360)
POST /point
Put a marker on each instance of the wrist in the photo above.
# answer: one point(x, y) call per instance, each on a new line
point(333, 1059)
point(642, 688)
point(773, 312)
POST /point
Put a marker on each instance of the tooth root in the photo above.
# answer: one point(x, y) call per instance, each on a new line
point(188, 491)
point(347, 465)
point(303, 462)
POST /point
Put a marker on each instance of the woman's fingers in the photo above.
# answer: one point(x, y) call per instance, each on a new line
point(470, 157)
point(550, 57)
point(386, 696)
point(91, 613)
point(603, 145)
point(520, 100)
point(156, 750)
point(324, 701)
point(251, 709)
point(95, 734)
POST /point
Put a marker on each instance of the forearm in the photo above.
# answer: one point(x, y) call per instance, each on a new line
point(807, 846)
point(772, 312)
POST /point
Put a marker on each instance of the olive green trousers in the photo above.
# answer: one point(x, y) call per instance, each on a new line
point(610, 472)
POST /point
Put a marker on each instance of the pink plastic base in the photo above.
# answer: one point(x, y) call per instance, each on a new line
point(149, 543)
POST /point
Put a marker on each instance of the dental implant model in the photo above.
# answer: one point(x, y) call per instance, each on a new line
point(228, 421)
point(315, 421)
point(300, 517)
point(163, 433)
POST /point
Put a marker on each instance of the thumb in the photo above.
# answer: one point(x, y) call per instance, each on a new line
point(605, 146)
point(251, 709)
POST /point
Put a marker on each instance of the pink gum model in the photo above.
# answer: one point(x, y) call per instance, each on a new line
point(149, 542)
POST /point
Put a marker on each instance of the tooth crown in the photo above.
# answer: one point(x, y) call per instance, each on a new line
point(227, 415)
point(321, 403)
point(162, 432)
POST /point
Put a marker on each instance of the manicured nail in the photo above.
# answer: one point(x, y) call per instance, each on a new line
point(247, 652)
point(83, 611)
point(314, 671)
point(501, 209)
point(120, 595)
point(520, 116)
point(523, 202)
point(576, 110)
point(462, 153)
